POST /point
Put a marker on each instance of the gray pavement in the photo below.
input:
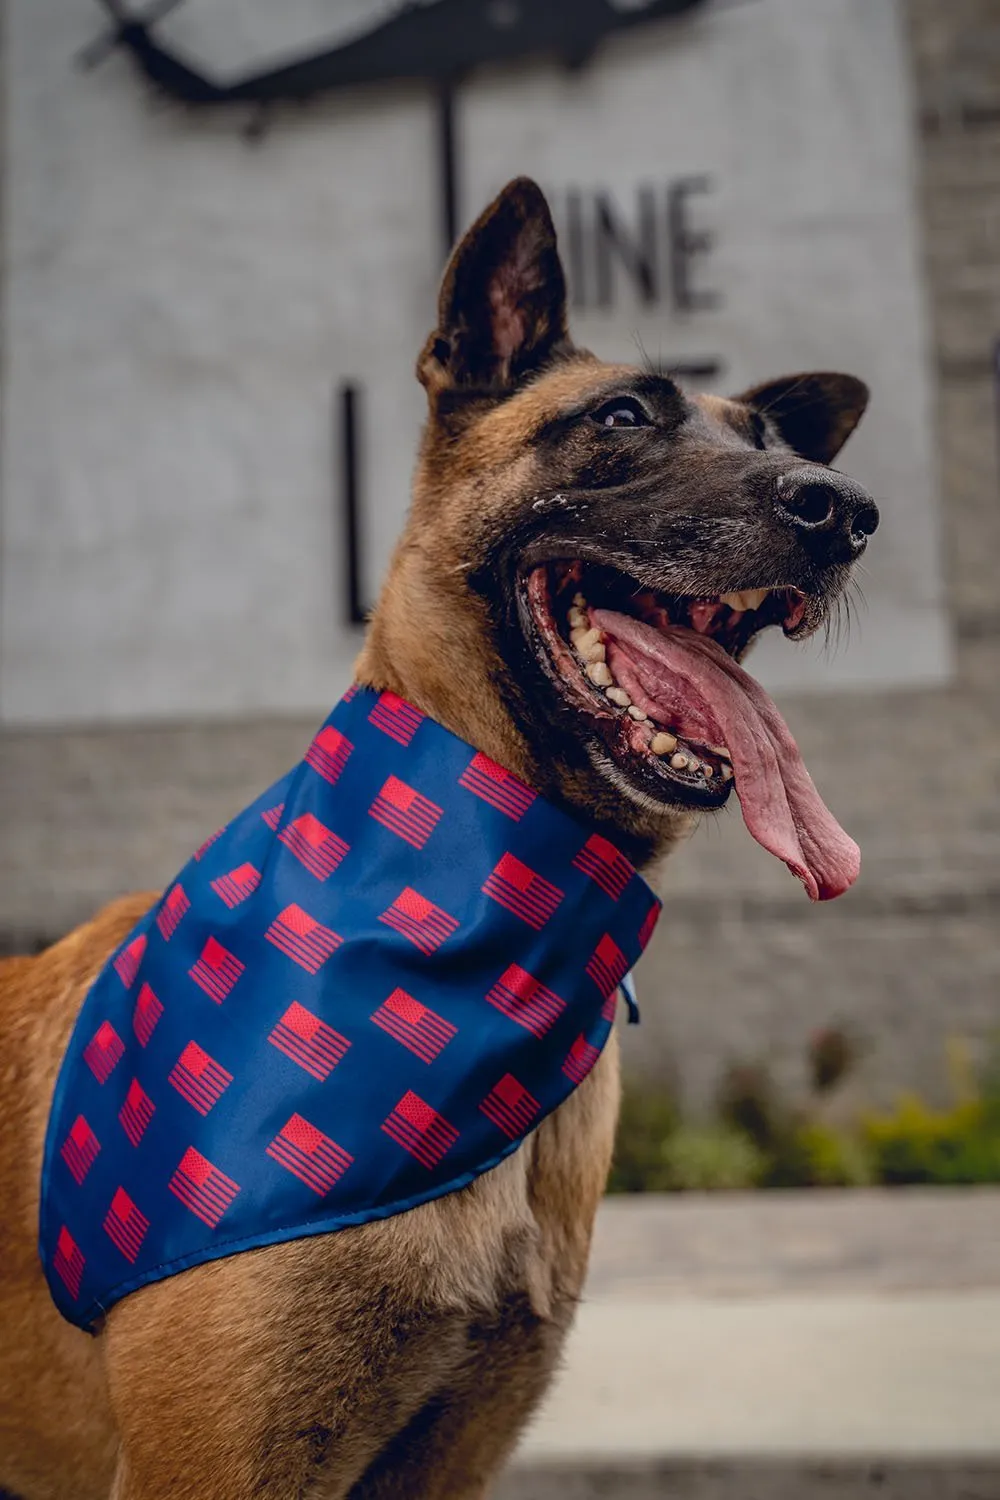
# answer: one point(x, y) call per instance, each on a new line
point(779, 1345)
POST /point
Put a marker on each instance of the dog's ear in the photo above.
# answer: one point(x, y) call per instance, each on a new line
point(502, 308)
point(814, 413)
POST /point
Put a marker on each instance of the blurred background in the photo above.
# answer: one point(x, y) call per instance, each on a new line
point(214, 290)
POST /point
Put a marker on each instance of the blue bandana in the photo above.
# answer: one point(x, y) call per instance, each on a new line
point(360, 995)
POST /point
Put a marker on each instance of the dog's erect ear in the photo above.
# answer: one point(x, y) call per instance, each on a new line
point(815, 413)
point(502, 308)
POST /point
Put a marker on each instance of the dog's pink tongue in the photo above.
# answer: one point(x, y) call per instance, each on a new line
point(781, 806)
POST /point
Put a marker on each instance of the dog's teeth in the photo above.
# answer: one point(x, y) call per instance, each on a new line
point(721, 751)
point(662, 744)
point(579, 601)
point(679, 762)
point(577, 619)
point(745, 599)
point(618, 695)
point(600, 674)
point(706, 769)
point(638, 714)
point(589, 644)
point(727, 771)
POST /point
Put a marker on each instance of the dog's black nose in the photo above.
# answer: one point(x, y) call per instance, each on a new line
point(833, 517)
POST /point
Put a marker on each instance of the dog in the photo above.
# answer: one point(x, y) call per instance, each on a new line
point(589, 552)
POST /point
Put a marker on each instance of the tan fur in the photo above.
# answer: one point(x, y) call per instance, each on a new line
point(400, 1358)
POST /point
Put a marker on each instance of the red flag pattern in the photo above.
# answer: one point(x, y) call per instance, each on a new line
point(79, 1149)
point(511, 1108)
point(406, 812)
point(328, 754)
point(308, 1041)
point(497, 786)
point(528, 895)
point(525, 1000)
point(418, 919)
point(315, 846)
point(125, 1225)
point(648, 925)
point(396, 718)
point(68, 1262)
point(418, 1027)
point(128, 961)
point(136, 1113)
point(312, 1156)
point(607, 966)
point(203, 849)
point(604, 864)
point(148, 1011)
point(237, 884)
point(175, 904)
point(272, 815)
point(202, 1188)
point(582, 1057)
point(198, 1078)
point(104, 1052)
point(305, 940)
point(216, 971)
point(420, 1130)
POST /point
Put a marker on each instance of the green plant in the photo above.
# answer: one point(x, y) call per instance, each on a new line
point(648, 1118)
point(758, 1140)
point(832, 1158)
point(711, 1157)
point(916, 1144)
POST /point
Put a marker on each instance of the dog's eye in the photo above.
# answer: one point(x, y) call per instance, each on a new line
point(758, 430)
point(621, 413)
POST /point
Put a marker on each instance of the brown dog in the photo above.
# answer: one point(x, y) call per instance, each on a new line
point(402, 1358)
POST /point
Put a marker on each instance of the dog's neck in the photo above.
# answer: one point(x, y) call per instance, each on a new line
point(428, 641)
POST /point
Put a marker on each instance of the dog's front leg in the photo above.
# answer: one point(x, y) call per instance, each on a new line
point(274, 1374)
point(455, 1446)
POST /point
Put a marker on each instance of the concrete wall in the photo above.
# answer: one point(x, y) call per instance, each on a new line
point(742, 965)
point(180, 306)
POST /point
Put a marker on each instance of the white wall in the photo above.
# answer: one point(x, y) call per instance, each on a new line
point(180, 306)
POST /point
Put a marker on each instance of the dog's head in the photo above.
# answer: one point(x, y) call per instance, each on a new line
point(584, 534)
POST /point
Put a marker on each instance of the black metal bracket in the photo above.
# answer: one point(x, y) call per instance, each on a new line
point(347, 401)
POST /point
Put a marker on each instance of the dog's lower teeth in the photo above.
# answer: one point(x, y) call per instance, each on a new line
point(588, 642)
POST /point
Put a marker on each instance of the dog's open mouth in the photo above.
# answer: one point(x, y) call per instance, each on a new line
point(663, 703)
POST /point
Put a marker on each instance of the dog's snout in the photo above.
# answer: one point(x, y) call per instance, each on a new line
point(832, 516)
